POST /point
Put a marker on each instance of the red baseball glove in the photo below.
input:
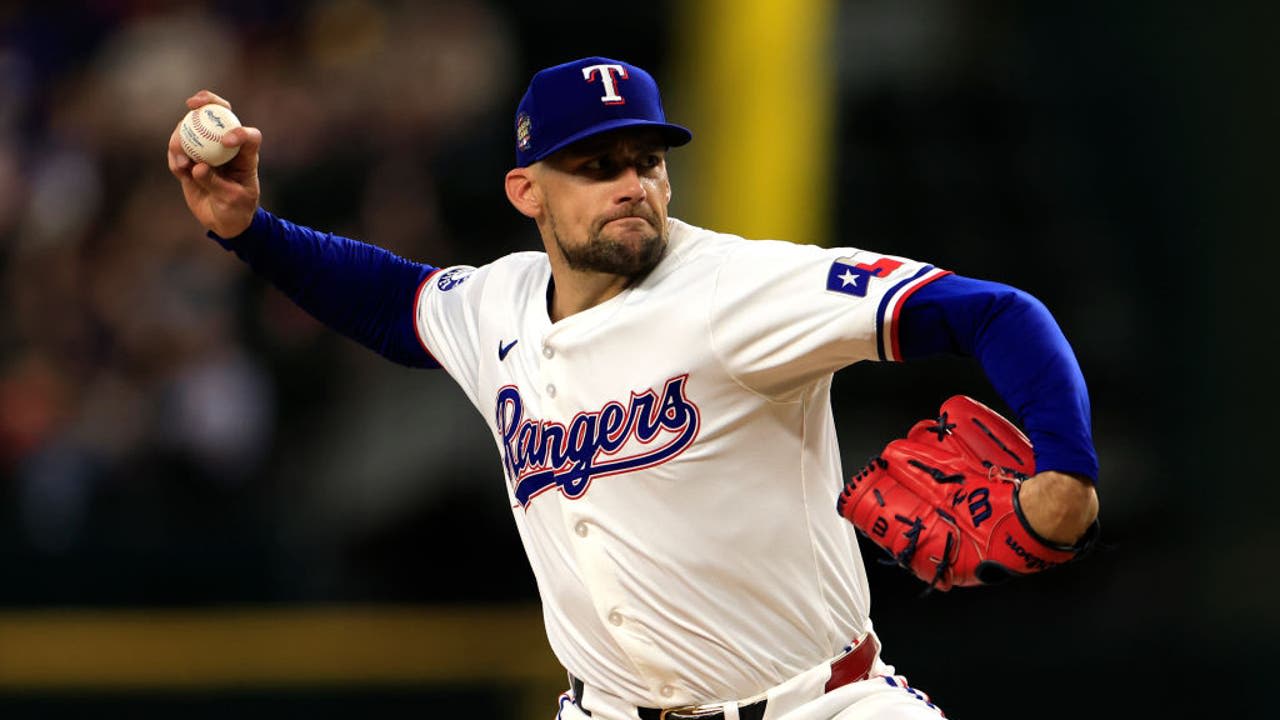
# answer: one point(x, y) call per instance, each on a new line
point(944, 500)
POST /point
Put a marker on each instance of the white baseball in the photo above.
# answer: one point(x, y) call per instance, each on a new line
point(201, 134)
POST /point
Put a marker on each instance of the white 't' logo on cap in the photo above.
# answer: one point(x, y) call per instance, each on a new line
point(611, 96)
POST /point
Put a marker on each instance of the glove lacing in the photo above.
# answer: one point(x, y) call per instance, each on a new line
point(942, 428)
point(876, 462)
point(904, 557)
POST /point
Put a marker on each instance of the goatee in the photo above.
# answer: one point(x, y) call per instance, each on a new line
point(607, 255)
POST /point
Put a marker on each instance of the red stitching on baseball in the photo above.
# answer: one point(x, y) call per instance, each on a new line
point(199, 127)
point(187, 147)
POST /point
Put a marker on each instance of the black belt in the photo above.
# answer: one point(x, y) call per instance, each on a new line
point(854, 665)
point(754, 711)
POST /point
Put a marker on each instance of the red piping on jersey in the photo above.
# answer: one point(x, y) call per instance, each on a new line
point(897, 310)
point(417, 298)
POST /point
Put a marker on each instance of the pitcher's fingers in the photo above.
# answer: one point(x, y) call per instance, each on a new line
point(207, 179)
point(179, 163)
point(248, 139)
point(177, 157)
point(204, 97)
point(211, 180)
point(202, 174)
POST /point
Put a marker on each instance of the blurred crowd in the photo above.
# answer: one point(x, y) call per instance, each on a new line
point(145, 374)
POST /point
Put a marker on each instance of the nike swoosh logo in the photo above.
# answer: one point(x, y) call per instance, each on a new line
point(504, 349)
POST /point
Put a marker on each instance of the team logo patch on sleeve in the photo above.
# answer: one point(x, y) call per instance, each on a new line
point(850, 278)
point(453, 277)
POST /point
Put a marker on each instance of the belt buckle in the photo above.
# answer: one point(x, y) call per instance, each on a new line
point(690, 712)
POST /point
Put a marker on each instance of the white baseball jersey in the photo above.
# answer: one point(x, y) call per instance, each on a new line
point(671, 456)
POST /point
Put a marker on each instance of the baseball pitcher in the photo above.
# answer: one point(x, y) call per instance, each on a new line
point(659, 396)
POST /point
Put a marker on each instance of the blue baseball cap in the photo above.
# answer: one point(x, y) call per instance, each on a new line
point(576, 100)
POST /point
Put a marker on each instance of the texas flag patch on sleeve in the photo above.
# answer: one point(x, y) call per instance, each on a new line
point(853, 278)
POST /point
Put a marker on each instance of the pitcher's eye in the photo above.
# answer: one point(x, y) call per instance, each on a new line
point(599, 164)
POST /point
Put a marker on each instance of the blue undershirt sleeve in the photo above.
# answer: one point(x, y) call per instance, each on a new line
point(357, 289)
point(1023, 353)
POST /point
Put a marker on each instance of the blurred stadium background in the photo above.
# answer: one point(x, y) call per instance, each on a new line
point(210, 506)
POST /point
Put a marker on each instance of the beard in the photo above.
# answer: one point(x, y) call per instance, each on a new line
point(603, 254)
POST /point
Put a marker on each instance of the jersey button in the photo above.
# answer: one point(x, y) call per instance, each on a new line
point(581, 529)
point(667, 691)
point(615, 618)
point(547, 352)
point(551, 390)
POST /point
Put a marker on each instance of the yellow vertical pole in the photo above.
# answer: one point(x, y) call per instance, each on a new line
point(756, 82)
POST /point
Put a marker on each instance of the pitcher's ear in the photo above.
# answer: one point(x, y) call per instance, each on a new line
point(523, 192)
